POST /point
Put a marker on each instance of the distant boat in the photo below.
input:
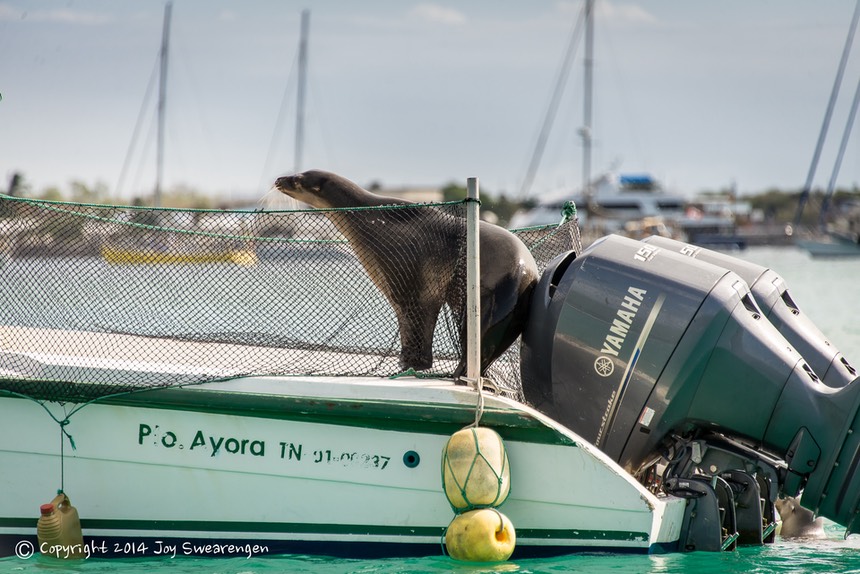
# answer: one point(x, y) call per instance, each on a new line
point(712, 224)
point(616, 200)
point(632, 204)
point(834, 245)
point(120, 256)
point(149, 250)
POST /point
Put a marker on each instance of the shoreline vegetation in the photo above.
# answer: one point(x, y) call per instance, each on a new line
point(772, 208)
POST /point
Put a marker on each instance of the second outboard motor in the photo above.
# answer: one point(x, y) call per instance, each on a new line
point(654, 356)
point(771, 295)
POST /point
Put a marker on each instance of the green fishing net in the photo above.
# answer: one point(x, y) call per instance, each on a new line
point(97, 300)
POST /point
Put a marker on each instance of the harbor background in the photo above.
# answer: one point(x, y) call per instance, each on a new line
point(826, 290)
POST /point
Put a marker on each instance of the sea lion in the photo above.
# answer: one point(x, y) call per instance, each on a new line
point(411, 255)
point(797, 521)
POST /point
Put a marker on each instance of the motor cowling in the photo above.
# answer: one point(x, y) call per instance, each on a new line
point(772, 295)
point(629, 344)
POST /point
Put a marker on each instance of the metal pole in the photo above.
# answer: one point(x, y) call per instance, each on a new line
point(549, 118)
point(822, 134)
point(473, 281)
point(300, 99)
point(846, 135)
point(588, 80)
point(162, 101)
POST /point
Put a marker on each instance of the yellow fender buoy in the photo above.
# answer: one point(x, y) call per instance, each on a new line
point(482, 535)
point(475, 470)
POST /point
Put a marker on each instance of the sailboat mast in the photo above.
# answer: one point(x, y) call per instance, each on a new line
point(846, 136)
point(822, 134)
point(162, 91)
point(300, 100)
point(585, 131)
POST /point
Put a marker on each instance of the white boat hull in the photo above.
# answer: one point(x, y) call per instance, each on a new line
point(330, 466)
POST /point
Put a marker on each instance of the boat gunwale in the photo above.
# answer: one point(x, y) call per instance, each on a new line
point(434, 406)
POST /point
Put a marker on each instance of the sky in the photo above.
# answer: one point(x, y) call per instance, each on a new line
point(702, 95)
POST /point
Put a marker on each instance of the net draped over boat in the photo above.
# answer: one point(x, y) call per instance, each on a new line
point(97, 300)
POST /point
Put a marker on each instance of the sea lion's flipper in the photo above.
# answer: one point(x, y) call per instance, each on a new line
point(416, 325)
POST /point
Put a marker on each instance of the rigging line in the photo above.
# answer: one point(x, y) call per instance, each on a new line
point(624, 92)
point(273, 142)
point(846, 134)
point(849, 40)
point(136, 132)
point(62, 459)
point(561, 82)
point(184, 121)
point(147, 148)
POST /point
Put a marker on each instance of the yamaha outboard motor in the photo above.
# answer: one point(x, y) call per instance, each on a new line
point(771, 295)
point(667, 364)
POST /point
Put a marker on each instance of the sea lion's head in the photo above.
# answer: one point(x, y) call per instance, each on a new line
point(797, 521)
point(320, 189)
point(791, 505)
point(785, 506)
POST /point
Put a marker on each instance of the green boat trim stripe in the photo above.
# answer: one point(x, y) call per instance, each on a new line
point(174, 526)
point(403, 416)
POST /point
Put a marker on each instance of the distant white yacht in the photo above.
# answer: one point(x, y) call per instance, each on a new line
point(617, 200)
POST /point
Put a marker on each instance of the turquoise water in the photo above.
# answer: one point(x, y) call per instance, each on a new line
point(827, 291)
point(825, 556)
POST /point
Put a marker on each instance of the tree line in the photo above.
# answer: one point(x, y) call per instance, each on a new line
point(777, 205)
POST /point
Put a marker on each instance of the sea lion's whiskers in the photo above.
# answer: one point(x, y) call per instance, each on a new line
point(274, 199)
